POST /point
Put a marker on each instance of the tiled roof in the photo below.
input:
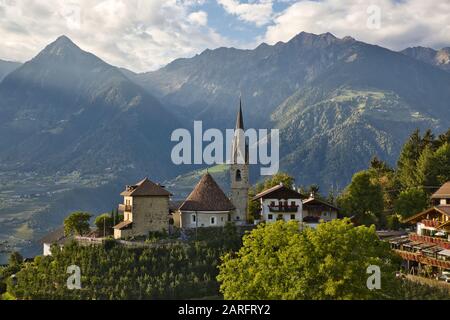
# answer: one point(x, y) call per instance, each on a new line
point(440, 209)
point(54, 236)
point(207, 196)
point(279, 192)
point(145, 188)
point(444, 209)
point(124, 225)
point(315, 202)
point(443, 192)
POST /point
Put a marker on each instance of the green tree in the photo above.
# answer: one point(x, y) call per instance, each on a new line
point(427, 168)
point(444, 138)
point(381, 167)
point(278, 178)
point(77, 223)
point(393, 222)
point(15, 259)
point(253, 206)
point(363, 199)
point(411, 202)
point(442, 163)
point(406, 165)
point(428, 140)
point(278, 261)
point(104, 224)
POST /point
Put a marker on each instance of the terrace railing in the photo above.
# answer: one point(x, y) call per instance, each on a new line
point(433, 240)
point(421, 258)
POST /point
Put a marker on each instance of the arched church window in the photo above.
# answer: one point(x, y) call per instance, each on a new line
point(238, 175)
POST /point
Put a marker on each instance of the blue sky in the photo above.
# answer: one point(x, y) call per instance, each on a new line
point(230, 26)
point(144, 35)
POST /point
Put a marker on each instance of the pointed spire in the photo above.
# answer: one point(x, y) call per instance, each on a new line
point(240, 149)
point(240, 117)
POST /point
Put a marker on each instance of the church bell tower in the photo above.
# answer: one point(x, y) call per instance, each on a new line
point(239, 171)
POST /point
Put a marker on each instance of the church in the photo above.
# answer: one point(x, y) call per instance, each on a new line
point(207, 205)
point(147, 206)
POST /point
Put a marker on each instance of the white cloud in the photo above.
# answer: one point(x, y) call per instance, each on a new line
point(138, 34)
point(199, 17)
point(403, 23)
point(258, 12)
point(145, 34)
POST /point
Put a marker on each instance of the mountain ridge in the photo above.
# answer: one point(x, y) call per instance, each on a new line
point(438, 58)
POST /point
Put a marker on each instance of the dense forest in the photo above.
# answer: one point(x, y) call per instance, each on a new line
point(384, 196)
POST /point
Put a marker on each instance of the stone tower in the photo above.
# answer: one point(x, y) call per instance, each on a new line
point(239, 171)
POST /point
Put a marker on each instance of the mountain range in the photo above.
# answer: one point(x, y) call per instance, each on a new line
point(338, 102)
point(81, 124)
point(67, 110)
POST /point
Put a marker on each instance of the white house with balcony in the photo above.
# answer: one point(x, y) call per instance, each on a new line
point(280, 203)
point(283, 203)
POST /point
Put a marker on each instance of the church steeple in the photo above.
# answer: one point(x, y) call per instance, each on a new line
point(239, 170)
point(240, 149)
point(240, 118)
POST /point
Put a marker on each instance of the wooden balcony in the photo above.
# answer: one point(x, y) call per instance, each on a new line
point(432, 240)
point(283, 209)
point(423, 259)
point(125, 208)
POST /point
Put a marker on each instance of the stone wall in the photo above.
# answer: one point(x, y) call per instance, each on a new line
point(150, 214)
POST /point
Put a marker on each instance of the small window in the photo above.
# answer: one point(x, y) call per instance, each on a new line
point(213, 221)
point(238, 218)
point(272, 203)
point(194, 218)
point(238, 175)
point(270, 217)
point(292, 216)
point(293, 204)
